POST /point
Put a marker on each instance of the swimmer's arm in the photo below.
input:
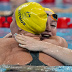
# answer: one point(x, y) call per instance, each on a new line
point(60, 53)
point(9, 35)
point(57, 41)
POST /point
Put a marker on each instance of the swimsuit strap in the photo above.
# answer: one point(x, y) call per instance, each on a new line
point(36, 61)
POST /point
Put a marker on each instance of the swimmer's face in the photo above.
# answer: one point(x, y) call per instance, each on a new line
point(51, 28)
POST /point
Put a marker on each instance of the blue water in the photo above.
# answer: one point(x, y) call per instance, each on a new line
point(63, 69)
point(67, 35)
point(4, 31)
point(11, 68)
point(5, 6)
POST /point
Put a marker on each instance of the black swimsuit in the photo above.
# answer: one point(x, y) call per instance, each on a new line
point(36, 61)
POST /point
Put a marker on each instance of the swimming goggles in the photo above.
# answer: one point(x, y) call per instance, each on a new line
point(53, 16)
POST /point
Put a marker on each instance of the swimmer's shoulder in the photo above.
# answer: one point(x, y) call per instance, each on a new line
point(8, 43)
point(7, 40)
point(62, 42)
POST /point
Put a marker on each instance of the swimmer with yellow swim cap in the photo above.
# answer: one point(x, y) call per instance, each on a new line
point(15, 50)
point(44, 43)
point(31, 17)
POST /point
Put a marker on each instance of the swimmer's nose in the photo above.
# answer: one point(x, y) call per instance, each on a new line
point(48, 27)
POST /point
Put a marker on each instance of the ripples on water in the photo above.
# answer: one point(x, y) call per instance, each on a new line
point(15, 68)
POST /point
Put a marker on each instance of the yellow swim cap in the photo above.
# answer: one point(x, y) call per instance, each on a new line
point(31, 17)
point(50, 12)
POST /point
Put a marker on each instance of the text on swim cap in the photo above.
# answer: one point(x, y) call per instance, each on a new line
point(29, 15)
point(19, 14)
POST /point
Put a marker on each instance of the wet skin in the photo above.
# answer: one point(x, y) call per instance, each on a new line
point(11, 53)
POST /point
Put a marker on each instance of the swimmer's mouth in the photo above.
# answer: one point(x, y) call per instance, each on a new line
point(45, 35)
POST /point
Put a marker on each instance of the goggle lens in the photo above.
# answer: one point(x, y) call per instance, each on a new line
point(55, 16)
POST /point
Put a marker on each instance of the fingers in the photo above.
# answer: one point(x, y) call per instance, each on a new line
point(26, 47)
point(18, 35)
point(21, 36)
point(19, 39)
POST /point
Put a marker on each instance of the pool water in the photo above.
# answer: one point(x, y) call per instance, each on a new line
point(67, 35)
point(5, 6)
point(15, 68)
point(4, 31)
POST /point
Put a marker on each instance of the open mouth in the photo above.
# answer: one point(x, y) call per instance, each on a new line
point(44, 36)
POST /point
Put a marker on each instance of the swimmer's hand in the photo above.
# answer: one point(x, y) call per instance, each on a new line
point(29, 42)
point(60, 53)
